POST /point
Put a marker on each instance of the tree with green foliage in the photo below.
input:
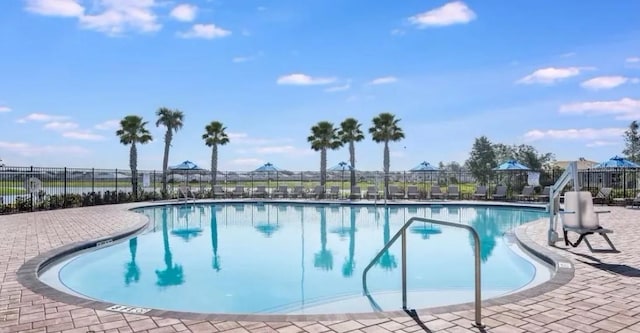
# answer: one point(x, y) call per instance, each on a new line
point(632, 142)
point(482, 160)
point(385, 128)
point(503, 152)
point(529, 156)
point(351, 133)
point(324, 136)
point(133, 131)
point(213, 137)
point(172, 120)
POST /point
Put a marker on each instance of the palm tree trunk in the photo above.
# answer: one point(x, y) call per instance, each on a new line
point(386, 169)
point(165, 159)
point(352, 161)
point(323, 166)
point(214, 165)
point(133, 164)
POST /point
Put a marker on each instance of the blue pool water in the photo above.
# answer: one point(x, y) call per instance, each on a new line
point(292, 258)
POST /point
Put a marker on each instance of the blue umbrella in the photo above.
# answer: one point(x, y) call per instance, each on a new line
point(185, 166)
point(424, 167)
point(511, 165)
point(342, 166)
point(617, 162)
point(268, 167)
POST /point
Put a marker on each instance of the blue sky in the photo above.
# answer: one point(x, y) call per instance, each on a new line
point(562, 76)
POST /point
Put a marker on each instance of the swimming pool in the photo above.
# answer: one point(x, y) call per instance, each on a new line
point(293, 258)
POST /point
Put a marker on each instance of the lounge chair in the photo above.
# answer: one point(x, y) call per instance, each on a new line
point(355, 193)
point(544, 196)
point(527, 193)
point(298, 192)
point(261, 192)
point(280, 192)
point(480, 193)
point(334, 192)
point(395, 192)
point(412, 192)
point(501, 193)
point(219, 192)
point(453, 192)
point(184, 192)
point(238, 192)
point(372, 191)
point(318, 192)
point(580, 217)
point(603, 196)
point(436, 193)
point(635, 203)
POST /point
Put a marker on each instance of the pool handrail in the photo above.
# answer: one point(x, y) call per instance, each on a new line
point(403, 233)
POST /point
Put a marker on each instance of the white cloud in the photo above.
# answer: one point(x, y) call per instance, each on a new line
point(205, 31)
point(184, 12)
point(574, 134)
point(455, 12)
point(298, 79)
point(284, 149)
point(607, 82)
point(241, 59)
point(115, 17)
point(41, 117)
point(622, 109)
point(83, 135)
point(108, 125)
point(247, 162)
point(601, 143)
point(4, 108)
point(568, 55)
point(397, 32)
point(384, 80)
point(633, 60)
point(338, 88)
point(551, 75)
point(26, 149)
point(61, 125)
point(64, 8)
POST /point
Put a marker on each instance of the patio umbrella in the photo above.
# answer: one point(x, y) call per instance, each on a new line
point(616, 163)
point(342, 166)
point(266, 227)
point(511, 166)
point(185, 166)
point(424, 167)
point(268, 168)
point(185, 231)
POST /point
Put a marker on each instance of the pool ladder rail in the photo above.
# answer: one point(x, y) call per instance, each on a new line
point(402, 233)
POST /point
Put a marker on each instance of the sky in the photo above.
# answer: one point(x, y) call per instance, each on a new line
point(562, 76)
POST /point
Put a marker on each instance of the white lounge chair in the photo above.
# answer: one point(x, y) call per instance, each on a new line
point(580, 217)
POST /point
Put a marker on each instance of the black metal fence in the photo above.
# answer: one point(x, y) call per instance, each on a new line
point(42, 188)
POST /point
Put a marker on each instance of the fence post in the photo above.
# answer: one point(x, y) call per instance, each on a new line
point(64, 189)
point(30, 190)
point(93, 180)
point(154, 185)
point(116, 185)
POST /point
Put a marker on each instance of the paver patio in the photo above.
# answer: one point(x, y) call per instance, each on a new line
point(603, 296)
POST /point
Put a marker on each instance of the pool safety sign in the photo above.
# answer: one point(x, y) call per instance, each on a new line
point(128, 309)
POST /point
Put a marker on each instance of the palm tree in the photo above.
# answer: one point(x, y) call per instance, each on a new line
point(350, 133)
point(385, 128)
point(213, 136)
point(132, 130)
point(173, 121)
point(324, 136)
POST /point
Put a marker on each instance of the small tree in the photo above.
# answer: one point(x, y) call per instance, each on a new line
point(214, 136)
point(324, 136)
point(132, 131)
point(173, 121)
point(385, 128)
point(351, 133)
point(632, 142)
point(482, 160)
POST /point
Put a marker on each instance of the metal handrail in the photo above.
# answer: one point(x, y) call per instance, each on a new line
point(403, 233)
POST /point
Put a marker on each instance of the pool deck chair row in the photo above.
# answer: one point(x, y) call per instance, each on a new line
point(580, 217)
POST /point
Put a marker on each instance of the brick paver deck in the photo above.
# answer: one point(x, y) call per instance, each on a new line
point(603, 296)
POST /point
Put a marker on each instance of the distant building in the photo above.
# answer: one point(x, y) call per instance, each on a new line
point(583, 164)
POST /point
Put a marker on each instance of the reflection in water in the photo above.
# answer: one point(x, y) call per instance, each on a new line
point(215, 263)
point(132, 274)
point(488, 229)
point(185, 231)
point(266, 227)
point(387, 260)
point(172, 274)
point(324, 258)
point(350, 264)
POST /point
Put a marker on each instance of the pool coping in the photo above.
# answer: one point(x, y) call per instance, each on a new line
point(27, 274)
